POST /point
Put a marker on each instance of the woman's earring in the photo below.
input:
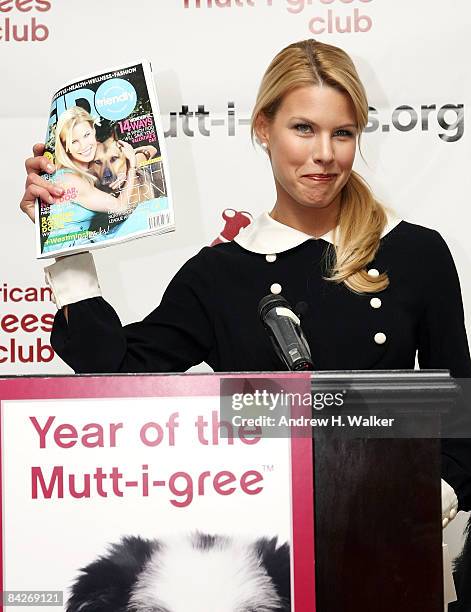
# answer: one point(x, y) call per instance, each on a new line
point(264, 146)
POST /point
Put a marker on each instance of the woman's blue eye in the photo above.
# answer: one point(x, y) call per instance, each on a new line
point(300, 127)
point(346, 133)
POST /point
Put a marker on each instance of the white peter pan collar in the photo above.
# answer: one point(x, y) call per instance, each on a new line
point(265, 235)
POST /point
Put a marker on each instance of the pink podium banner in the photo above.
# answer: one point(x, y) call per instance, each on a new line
point(133, 491)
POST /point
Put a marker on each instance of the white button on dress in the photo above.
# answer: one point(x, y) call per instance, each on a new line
point(373, 272)
point(270, 258)
point(380, 338)
point(375, 302)
point(275, 288)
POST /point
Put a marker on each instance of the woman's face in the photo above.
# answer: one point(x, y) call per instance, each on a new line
point(311, 143)
point(83, 143)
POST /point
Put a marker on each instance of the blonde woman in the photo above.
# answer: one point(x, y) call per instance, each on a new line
point(75, 149)
point(368, 281)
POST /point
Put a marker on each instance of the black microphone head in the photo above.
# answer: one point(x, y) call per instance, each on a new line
point(271, 301)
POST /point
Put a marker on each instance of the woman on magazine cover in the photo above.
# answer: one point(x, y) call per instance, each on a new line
point(376, 290)
point(74, 152)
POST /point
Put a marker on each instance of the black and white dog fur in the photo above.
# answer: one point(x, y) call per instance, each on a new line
point(194, 573)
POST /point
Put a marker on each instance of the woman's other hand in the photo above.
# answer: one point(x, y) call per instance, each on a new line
point(147, 152)
point(37, 187)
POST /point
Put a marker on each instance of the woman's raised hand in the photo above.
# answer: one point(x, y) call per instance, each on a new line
point(37, 187)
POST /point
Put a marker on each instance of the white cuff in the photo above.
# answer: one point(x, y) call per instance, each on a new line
point(449, 503)
point(73, 279)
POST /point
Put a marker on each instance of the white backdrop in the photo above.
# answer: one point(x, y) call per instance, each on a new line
point(212, 53)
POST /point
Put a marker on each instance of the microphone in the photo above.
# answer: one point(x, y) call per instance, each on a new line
point(286, 335)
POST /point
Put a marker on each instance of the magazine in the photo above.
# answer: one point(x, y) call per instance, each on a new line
point(105, 139)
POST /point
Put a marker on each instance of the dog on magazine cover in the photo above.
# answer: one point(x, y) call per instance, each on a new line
point(193, 573)
point(110, 166)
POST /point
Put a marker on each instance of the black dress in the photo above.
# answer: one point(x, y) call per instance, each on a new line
point(209, 313)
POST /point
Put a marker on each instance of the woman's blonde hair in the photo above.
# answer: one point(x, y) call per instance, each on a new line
point(362, 218)
point(63, 135)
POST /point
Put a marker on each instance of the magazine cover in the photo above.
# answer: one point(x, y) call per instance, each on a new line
point(105, 139)
point(134, 492)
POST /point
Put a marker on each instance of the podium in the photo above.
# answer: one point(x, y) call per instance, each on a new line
point(378, 536)
point(358, 505)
